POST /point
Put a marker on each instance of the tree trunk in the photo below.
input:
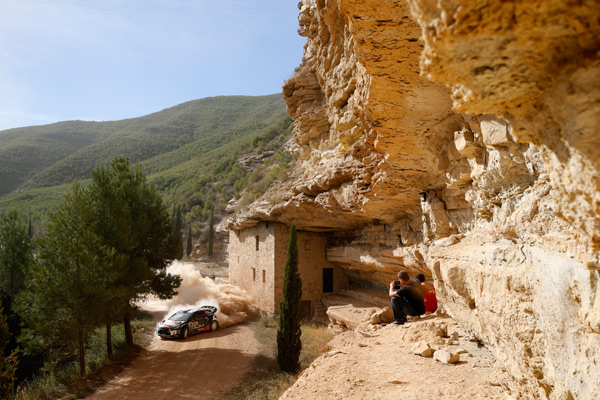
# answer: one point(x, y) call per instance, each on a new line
point(81, 353)
point(109, 349)
point(127, 325)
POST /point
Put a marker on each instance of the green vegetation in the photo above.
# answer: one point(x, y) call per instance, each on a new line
point(107, 246)
point(107, 239)
point(211, 233)
point(189, 246)
point(37, 204)
point(177, 226)
point(60, 153)
point(131, 221)
point(8, 363)
point(15, 255)
point(188, 151)
point(58, 376)
point(288, 335)
point(216, 177)
point(66, 277)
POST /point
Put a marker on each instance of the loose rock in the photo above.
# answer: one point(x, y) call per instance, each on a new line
point(382, 316)
point(422, 348)
point(446, 357)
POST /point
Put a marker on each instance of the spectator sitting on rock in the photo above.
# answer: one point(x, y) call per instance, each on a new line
point(406, 297)
point(428, 294)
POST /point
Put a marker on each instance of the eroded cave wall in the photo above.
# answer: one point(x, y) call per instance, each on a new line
point(460, 138)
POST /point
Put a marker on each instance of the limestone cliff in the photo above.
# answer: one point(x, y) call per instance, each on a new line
point(460, 138)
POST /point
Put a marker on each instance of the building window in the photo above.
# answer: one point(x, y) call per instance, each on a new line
point(267, 224)
point(253, 274)
point(257, 241)
point(264, 276)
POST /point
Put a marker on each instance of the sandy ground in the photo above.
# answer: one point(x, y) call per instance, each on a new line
point(204, 366)
point(369, 362)
point(376, 362)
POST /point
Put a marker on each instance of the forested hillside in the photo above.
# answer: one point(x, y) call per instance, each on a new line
point(178, 147)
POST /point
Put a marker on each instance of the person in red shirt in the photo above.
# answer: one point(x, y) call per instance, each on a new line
point(428, 294)
point(407, 298)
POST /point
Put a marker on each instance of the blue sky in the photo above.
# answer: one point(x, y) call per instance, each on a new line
point(112, 59)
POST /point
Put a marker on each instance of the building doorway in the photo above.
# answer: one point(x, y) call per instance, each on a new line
point(327, 280)
point(306, 309)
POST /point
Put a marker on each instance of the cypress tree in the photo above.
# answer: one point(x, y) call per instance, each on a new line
point(188, 249)
point(288, 335)
point(211, 233)
point(178, 225)
point(30, 229)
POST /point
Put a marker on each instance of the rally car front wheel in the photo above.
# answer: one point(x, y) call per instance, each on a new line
point(214, 325)
point(184, 333)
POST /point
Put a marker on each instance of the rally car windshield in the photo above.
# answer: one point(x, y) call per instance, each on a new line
point(179, 317)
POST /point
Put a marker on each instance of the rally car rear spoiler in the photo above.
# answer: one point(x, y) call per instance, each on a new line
point(211, 309)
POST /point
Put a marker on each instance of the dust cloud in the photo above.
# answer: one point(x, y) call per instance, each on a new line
point(234, 305)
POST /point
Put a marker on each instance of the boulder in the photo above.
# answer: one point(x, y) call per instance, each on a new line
point(446, 357)
point(383, 316)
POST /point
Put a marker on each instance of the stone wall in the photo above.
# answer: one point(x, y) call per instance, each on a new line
point(260, 269)
point(311, 262)
point(254, 269)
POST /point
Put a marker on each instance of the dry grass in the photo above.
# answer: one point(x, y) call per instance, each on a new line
point(266, 381)
point(314, 339)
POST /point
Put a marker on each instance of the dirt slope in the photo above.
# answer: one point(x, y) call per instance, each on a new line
point(375, 362)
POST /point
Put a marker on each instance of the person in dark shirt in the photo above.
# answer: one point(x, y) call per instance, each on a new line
point(407, 298)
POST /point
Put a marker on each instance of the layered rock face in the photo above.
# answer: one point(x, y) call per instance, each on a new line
point(460, 138)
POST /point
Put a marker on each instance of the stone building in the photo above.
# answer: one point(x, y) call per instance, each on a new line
point(257, 257)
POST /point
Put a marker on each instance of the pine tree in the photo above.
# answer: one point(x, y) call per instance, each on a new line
point(8, 363)
point(211, 233)
point(15, 258)
point(132, 220)
point(288, 335)
point(68, 276)
point(15, 255)
point(189, 246)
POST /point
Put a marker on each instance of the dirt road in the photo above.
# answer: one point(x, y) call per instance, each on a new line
point(204, 366)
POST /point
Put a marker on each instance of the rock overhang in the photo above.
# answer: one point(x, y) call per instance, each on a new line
point(489, 156)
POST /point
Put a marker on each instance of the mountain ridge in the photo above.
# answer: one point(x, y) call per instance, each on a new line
point(179, 148)
point(69, 150)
